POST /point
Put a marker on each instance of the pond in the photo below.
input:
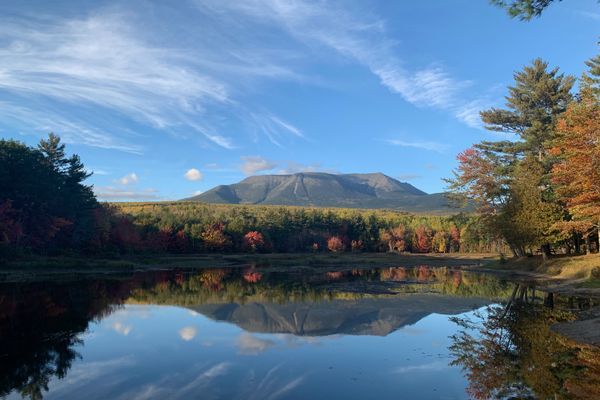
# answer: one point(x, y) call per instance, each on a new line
point(258, 332)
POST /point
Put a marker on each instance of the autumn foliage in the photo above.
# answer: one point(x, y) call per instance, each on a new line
point(254, 241)
point(335, 244)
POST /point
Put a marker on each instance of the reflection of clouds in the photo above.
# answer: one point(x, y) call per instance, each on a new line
point(434, 366)
point(252, 345)
point(202, 380)
point(188, 333)
point(121, 328)
point(193, 313)
point(216, 370)
point(413, 331)
point(293, 341)
point(286, 388)
point(86, 372)
point(273, 385)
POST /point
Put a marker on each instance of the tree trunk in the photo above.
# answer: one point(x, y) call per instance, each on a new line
point(546, 251)
point(549, 300)
point(588, 244)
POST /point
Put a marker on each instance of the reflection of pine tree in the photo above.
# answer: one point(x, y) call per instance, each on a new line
point(512, 353)
point(40, 326)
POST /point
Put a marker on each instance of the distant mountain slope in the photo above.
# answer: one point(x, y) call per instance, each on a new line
point(327, 190)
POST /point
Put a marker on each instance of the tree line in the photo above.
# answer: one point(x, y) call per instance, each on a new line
point(540, 190)
point(188, 227)
point(46, 208)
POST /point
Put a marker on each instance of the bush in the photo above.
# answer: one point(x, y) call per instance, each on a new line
point(335, 244)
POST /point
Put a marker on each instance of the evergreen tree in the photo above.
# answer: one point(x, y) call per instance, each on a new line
point(492, 172)
point(525, 10)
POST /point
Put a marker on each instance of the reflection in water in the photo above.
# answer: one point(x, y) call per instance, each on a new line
point(48, 328)
point(510, 352)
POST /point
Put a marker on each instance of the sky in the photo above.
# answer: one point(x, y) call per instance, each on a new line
point(164, 100)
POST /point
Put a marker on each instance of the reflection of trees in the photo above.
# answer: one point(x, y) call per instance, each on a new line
point(39, 326)
point(510, 352)
point(40, 323)
point(220, 285)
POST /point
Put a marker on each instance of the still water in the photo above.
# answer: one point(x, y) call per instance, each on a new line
point(289, 333)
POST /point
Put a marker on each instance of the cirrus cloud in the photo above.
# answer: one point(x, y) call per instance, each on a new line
point(253, 164)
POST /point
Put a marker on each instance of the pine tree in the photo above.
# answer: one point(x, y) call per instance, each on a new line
point(534, 104)
point(490, 173)
point(525, 10)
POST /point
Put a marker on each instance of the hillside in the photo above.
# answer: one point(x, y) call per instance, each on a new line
point(320, 189)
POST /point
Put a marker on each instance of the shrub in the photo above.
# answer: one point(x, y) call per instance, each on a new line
point(254, 241)
point(335, 244)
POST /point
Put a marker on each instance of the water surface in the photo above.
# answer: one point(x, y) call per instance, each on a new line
point(254, 333)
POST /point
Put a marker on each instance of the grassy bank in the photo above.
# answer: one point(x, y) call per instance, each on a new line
point(127, 263)
point(583, 269)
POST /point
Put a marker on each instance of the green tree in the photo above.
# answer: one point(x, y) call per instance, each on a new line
point(525, 10)
point(494, 174)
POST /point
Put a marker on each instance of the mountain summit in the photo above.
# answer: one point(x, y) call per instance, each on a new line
point(321, 189)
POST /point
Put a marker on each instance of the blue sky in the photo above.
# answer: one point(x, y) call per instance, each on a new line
point(166, 99)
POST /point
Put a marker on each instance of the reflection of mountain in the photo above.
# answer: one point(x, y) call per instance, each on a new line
point(369, 316)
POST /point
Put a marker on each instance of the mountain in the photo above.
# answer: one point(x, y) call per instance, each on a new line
point(320, 189)
point(369, 316)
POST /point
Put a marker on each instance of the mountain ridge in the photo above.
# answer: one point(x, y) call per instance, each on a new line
point(320, 189)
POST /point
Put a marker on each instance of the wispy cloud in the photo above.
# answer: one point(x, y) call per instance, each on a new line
point(107, 62)
point(287, 126)
point(111, 193)
point(128, 179)
point(360, 38)
point(588, 14)
point(409, 177)
point(254, 164)
point(292, 167)
point(432, 146)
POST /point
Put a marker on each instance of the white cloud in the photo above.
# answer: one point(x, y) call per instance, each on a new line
point(432, 146)
point(188, 333)
point(254, 164)
point(128, 179)
point(193, 174)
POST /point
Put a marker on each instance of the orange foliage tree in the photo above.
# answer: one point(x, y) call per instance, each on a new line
point(577, 172)
point(423, 238)
point(335, 244)
point(395, 238)
point(254, 241)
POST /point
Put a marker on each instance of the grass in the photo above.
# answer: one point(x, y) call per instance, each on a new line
point(81, 264)
point(582, 267)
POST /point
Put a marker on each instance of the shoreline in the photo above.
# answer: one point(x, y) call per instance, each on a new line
point(547, 276)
